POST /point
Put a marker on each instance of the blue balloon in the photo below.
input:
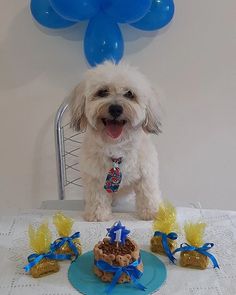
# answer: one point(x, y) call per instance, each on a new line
point(46, 16)
point(75, 10)
point(159, 15)
point(126, 11)
point(103, 40)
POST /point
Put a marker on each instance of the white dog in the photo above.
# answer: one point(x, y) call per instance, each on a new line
point(118, 109)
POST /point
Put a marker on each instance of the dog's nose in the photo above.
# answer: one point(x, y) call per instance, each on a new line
point(115, 110)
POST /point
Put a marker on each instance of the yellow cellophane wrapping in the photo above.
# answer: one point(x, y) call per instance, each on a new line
point(64, 225)
point(194, 233)
point(40, 239)
point(165, 221)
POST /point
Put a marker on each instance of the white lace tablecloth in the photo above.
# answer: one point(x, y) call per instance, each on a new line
point(221, 230)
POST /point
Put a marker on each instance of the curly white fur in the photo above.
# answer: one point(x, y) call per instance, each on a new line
point(139, 158)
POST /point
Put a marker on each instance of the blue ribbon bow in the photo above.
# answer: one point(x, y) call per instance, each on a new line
point(203, 250)
point(35, 258)
point(164, 241)
point(69, 240)
point(131, 270)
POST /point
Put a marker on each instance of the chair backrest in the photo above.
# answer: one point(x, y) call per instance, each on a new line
point(67, 145)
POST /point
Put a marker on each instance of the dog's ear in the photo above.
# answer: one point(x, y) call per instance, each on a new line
point(152, 123)
point(77, 108)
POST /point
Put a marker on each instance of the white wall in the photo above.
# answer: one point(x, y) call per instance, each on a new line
point(193, 60)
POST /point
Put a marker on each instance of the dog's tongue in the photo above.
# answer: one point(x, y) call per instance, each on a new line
point(114, 128)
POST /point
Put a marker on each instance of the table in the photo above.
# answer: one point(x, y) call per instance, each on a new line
point(221, 230)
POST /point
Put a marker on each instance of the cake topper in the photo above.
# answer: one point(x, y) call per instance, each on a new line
point(117, 233)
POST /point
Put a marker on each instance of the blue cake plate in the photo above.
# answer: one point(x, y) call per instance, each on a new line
point(83, 279)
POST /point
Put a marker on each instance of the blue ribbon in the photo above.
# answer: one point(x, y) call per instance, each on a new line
point(164, 241)
point(69, 240)
point(35, 258)
point(131, 270)
point(203, 250)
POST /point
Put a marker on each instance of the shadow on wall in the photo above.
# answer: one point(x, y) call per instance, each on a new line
point(136, 40)
point(44, 181)
point(30, 50)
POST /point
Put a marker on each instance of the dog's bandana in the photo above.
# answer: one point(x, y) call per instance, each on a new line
point(114, 177)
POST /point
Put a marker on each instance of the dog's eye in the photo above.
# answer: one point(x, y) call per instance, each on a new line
point(102, 92)
point(129, 94)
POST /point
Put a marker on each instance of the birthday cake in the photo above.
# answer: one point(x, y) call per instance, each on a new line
point(117, 253)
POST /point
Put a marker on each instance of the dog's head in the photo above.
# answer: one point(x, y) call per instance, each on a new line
point(114, 100)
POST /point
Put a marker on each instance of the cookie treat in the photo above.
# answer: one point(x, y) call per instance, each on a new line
point(42, 262)
point(195, 254)
point(193, 259)
point(66, 244)
point(164, 226)
point(44, 267)
point(157, 246)
point(117, 257)
point(194, 236)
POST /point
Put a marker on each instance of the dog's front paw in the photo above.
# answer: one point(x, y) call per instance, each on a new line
point(146, 214)
point(98, 215)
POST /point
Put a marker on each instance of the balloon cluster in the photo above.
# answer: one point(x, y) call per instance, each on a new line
point(103, 39)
